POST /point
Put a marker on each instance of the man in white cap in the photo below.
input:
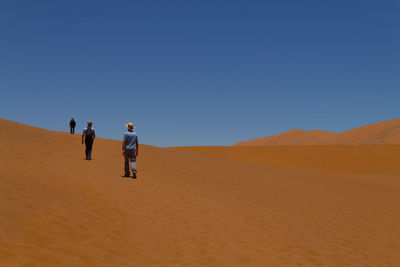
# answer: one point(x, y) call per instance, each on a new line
point(89, 135)
point(130, 149)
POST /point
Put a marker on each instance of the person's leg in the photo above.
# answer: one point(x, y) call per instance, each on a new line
point(73, 130)
point(133, 167)
point(126, 165)
point(70, 129)
point(132, 159)
point(87, 149)
point(90, 150)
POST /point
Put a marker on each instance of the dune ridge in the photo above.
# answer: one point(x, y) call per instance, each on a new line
point(185, 208)
point(292, 137)
point(382, 133)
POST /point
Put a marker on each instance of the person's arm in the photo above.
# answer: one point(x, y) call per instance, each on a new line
point(123, 146)
point(83, 135)
point(137, 147)
point(94, 134)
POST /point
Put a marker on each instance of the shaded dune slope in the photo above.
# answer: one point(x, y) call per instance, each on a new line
point(292, 137)
point(349, 160)
point(185, 209)
point(383, 133)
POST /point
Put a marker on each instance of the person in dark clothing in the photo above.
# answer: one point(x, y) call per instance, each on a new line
point(72, 125)
point(130, 149)
point(89, 135)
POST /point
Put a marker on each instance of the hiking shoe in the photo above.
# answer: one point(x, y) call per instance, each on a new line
point(134, 175)
point(126, 175)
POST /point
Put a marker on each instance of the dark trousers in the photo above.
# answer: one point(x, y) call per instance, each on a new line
point(72, 129)
point(88, 151)
point(130, 157)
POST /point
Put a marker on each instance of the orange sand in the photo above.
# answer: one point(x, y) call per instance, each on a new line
point(192, 209)
point(383, 133)
point(377, 159)
point(292, 137)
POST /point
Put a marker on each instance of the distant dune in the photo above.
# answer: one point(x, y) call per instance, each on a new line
point(292, 137)
point(383, 133)
point(235, 206)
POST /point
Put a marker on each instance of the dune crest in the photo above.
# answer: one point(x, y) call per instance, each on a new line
point(382, 133)
point(292, 137)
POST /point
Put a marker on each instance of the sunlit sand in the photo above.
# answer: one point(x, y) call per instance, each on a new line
point(207, 206)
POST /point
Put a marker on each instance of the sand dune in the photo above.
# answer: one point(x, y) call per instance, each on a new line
point(292, 137)
point(368, 162)
point(382, 133)
point(187, 208)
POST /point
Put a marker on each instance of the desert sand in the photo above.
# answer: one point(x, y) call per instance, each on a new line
point(381, 133)
point(259, 206)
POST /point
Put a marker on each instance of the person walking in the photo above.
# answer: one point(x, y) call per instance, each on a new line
point(72, 125)
point(89, 135)
point(130, 149)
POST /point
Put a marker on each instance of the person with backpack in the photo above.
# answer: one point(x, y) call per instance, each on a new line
point(130, 149)
point(72, 125)
point(89, 135)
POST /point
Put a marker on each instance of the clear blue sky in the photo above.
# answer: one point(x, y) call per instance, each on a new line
point(200, 72)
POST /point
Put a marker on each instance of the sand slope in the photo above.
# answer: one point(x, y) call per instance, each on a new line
point(185, 209)
point(292, 137)
point(384, 133)
point(387, 133)
point(359, 160)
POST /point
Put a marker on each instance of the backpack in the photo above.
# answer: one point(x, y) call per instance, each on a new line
point(89, 133)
